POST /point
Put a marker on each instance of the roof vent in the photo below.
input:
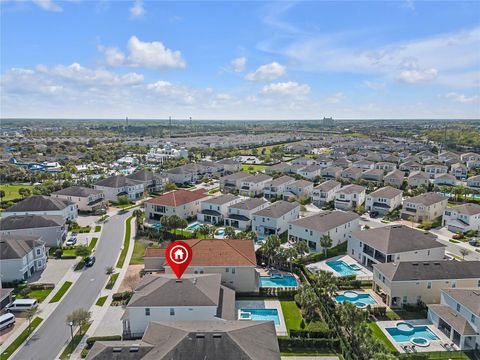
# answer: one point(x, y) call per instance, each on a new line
point(178, 281)
point(217, 336)
point(415, 264)
point(436, 263)
point(200, 336)
point(134, 349)
point(117, 349)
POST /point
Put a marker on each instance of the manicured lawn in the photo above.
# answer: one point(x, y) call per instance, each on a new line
point(292, 315)
point(378, 333)
point(93, 243)
point(256, 167)
point(69, 252)
point(138, 251)
point(40, 295)
point(20, 339)
point(101, 300)
point(111, 282)
point(11, 191)
point(405, 315)
point(72, 345)
point(98, 228)
point(56, 298)
point(126, 243)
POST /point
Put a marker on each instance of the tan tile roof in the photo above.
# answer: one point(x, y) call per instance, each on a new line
point(178, 197)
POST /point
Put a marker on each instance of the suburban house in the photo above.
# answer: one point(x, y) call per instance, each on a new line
point(351, 173)
point(43, 205)
point(240, 214)
point(470, 156)
point(277, 168)
point(303, 161)
point(119, 185)
point(411, 282)
point(21, 256)
point(393, 244)
point(230, 165)
point(373, 175)
point(410, 166)
point(152, 182)
point(233, 259)
point(385, 166)
point(231, 183)
point(336, 224)
point(310, 172)
point(433, 170)
point(394, 178)
point(51, 229)
point(299, 188)
point(384, 200)
point(184, 174)
point(445, 179)
point(274, 218)
point(166, 298)
point(183, 203)
point(342, 162)
point(364, 164)
point(323, 161)
point(253, 185)
point(226, 340)
point(214, 210)
point(458, 316)
point(462, 218)
point(325, 192)
point(459, 170)
point(349, 197)
point(277, 187)
point(331, 172)
point(86, 199)
point(418, 178)
point(426, 206)
point(448, 156)
point(474, 181)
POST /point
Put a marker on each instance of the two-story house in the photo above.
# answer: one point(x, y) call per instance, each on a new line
point(426, 206)
point(86, 199)
point(325, 192)
point(310, 172)
point(277, 187)
point(351, 173)
point(459, 170)
point(349, 197)
point(152, 181)
point(299, 188)
point(373, 175)
point(394, 178)
point(331, 172)
point(445, 179)
point(273, 220)
point(383, 200)
point(231, 183)
point(474, 181)
point(393, 244)
point(253, 185)
point(43, 205)
point(119, 185)
point(183, 203)
point(336, 224)
point(240, 214)
point(385, 166)
point(435, 169)
point(418, 178)
point(462, 218)
point(214, 210)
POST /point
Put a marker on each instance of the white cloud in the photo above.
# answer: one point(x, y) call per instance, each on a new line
point(113, 56)
point(462, 98)
point(267, 72)
point(375, 85)
point(48, 5)
point(414, 76)
point(137, 10)
point(153, 55)
point(239, 64)
point(335, 98)
point(290, 88)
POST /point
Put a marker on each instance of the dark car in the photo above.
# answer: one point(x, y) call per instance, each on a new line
point(89, 261)
point(373, 214)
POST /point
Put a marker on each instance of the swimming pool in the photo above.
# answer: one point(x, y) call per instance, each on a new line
point(260, 315)
point(342, 268)
point(193, 226)
point(408, 332)
point(157, 226)
point(360, 300)
point(220, 233)
point(274, 281)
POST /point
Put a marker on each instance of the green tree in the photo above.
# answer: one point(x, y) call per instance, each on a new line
point(170, 186)
point(270, 247)
point(24, 192)
point(229, 232)
point(2, 194)
point(82, 250)
point(308, 301)
point(302, 248)
point(79, 317)
point(325, 242)
point(464, 252)
point(30, 314)
point(123, 200)
point(109, 270)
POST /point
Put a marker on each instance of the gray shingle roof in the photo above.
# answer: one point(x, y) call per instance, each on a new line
point(351, 189)
point(116, 181)
point(258, 178)
point(249, 204)
point(277, 209)
point(466, 209)
point(222, 199)
point(426, 199)
point(30, 221)
point(326, 221)
point(469, 298)
point(281, 180)
point(387, 192)
point(39, 203)
point(453, 318)
point(78, 191)
point(16, 247)
point(327, 185)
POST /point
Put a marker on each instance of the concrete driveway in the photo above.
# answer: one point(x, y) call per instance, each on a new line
point(54, 271)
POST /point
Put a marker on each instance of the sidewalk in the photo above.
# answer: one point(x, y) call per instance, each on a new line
point(98, 312)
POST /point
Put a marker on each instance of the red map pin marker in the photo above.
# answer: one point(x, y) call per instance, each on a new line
point(179, 255)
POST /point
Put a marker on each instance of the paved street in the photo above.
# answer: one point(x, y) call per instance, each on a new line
point(54, 333)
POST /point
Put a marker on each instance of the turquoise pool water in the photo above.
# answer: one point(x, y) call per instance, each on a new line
point(193, 226)
point(406, 335)
point(284, 281)
point(342, 268)
point(261, 315)
point(157, 226)
point(220, 232)
point(354, 298)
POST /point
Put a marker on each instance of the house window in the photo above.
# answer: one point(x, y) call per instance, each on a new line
point(147, 311)
point(233, 270)
point(226, 269)
point(405, 299)
point(454, 284)
point(458, 307)
point(38, 251)
point(472, 319)
point(429, 285)
point(172, 312)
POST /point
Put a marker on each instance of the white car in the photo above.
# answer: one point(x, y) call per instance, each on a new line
point(70, 242)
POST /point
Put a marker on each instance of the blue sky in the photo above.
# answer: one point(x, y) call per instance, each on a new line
point(240, 60)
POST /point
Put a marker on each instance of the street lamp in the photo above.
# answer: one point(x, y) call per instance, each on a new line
point(71, 330)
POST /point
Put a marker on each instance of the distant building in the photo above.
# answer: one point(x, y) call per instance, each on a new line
point(327, 121)
point(168, 152)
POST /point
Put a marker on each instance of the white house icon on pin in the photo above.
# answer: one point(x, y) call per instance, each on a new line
point(178, 254)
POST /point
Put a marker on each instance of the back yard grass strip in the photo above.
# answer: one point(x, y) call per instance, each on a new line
point(292, 315)
point(378, 333)
point(21, 339)
point(56, 298)
point(72, 345)
point(111, 282)
point(126, 243)
point(101, 300)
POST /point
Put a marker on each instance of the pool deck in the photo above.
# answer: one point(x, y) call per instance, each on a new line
point(365, 274)
point(281, 329)
point(435, 345)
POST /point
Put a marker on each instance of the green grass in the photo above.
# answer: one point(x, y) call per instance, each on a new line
point(378, 333)
point(138, 251)
point(256, 167)
point(111, 282)
point(56, 298)
point(69, 252)
point(310, 354)
point(93, 243)
point(80, 265)
point(454, 241)
point(292, 315)
point(126, 243)
point(40, 295)
point(20, 339)
point(72, 345)
point(214, 190)
point(98, 228)
point(101, 300)
point(405, 315)
point(11, 191)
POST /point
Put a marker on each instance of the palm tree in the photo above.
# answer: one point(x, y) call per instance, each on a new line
point(308, 301)
point(327, 283)
point(271, 246)
point(251, 235)
point(229, 232)
point(325, 242)
point(302, 248)
point(291, 255)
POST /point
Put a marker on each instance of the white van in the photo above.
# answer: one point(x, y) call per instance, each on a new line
point(6, 320)
point(22, 305)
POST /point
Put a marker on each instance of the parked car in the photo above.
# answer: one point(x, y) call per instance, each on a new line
point(373, 214)
point(22, 305)
point(474, 242)
point(70, 242)
point(7, 320)
point(89, 261)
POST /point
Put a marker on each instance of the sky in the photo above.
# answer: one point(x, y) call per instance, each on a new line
point(240, 60)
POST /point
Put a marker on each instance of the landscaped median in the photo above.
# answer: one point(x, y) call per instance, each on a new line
point(56, 298)
point(126, 242)
point(72, 345)
point(101, 300)
point(21, 338)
